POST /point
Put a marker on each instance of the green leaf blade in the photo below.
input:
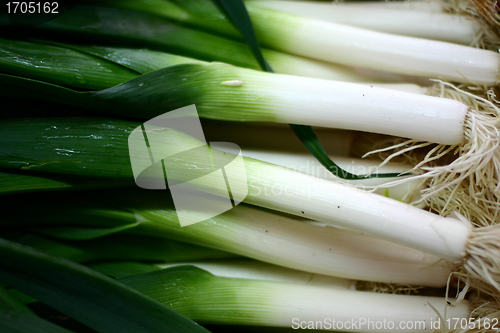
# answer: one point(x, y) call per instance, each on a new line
point(89, 297)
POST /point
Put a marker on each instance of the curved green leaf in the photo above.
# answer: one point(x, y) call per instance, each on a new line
point(236, 12)
point(14, 181)
point(122, 247)
point(60, 65)
point(15, 317)
point(87, 296)
point(123, 269)
point(113, 26)
point(78, 233)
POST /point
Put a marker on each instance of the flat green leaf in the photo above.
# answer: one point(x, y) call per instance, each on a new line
point(310, 140)
point(10, 303)
point(121, 247)
point(123, 269)
point(77, 233)
point(85, 295)
point(14, 181)
point(236, 12)
point(60, 65)
point(112, 26)
point(140, 60)
point(85, 146)
point(15, 317)
point(21, 297)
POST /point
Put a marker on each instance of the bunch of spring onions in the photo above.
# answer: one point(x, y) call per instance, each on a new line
point(230, 93)
point(78, 235)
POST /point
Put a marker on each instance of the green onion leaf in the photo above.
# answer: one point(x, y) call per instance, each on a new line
point(121, 247)
point(15, 317)
point(77, 233)
point(85, 295)
point(14, 181)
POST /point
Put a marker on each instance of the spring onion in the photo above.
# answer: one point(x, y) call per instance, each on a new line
point(249, 231)
point(86, 295)
point(436, 24)
point(206, 298)
point(100, 67)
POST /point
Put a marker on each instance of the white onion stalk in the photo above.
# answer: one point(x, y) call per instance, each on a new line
point(293, 192)
point(295, 65)
point(288, 241)
point(258, 270)
point(205, 298)
point(358, 47)
point(431, 24)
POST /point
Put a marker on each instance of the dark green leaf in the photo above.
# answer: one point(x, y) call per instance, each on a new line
point(15, 317)
point(122, 247)
point(10, 303)
point(77, 233)
point(113, 26)
point(14, 181)
point(85, 295)
point(123, 269)
point(310, 140)
point(60, 65)
point(236, 12)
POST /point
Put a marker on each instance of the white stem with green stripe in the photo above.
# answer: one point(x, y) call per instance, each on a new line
point(277, 145)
